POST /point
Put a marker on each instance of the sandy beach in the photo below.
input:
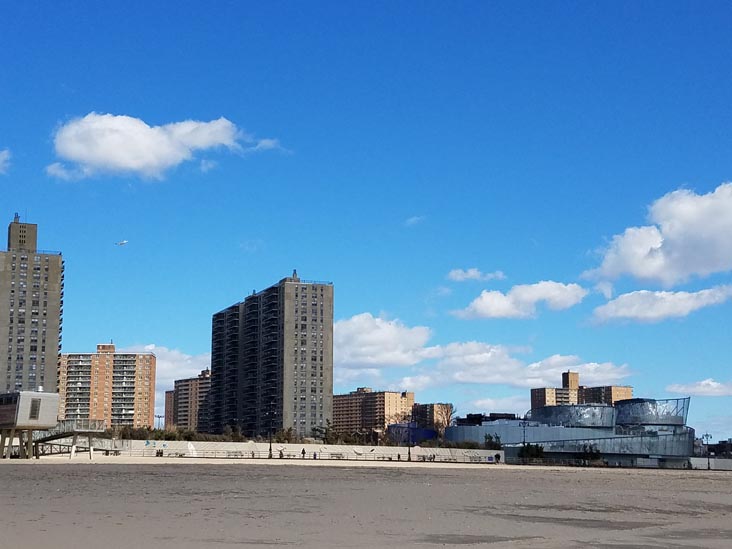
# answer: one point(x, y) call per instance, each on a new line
point(182, 503)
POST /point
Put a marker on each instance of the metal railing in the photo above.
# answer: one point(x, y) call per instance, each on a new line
point(72, 426)
point(292, 456)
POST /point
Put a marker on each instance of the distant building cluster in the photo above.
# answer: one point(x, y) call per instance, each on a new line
point(366, 410)
point(272, 370)
point(571, 392)
point(581, 424)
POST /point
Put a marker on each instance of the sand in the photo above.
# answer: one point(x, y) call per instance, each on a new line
point(182, 503)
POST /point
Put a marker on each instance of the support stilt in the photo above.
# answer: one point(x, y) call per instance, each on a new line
point(74, 440)
point(10, 444)
point(21, 444)
point(29, 445)
point(3, 440)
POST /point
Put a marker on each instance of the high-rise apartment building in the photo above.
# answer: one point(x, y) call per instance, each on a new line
point(571, 392)
point(186, 400)
point(367, 410)
point(272, 360)
point(31, 305)
point(116, 387)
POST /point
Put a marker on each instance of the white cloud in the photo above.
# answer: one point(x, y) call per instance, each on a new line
point(367, 341)
point(415, 383)
point(513, 404)
point(460, 275)
point(106, 143)
point(706, 387)
point(356, 377)
point(414, 220)
point(266, 145)
point(207, 165)
point(647, 306)
point(521, 300)
point(4, 160)
point(252, 245)
point(688, 236)
point(605, 288)
point(547, 372)
point(171, 364)
point(442, 291)
point(476, 362)
point(58, 170)
point(365, 345)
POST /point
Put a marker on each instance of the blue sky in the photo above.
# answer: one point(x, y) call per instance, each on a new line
point(573, 155)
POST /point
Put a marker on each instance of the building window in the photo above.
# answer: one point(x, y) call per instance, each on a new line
point(35, 408)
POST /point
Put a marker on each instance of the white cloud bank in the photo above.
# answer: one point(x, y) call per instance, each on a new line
point(475, 362)
point(365, 341)
point(688, 235)
point(461, 275)
point(521, 300)
point(4, 160)
point(107, 143)
point(647, 306)
point(372, 344)
point(706, 387)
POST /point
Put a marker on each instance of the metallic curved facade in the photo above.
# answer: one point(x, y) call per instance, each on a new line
point(628, 433)
point(577, 415)
point(646, 411)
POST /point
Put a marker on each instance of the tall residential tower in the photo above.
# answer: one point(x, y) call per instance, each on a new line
point(31, 306)
point(272, 360)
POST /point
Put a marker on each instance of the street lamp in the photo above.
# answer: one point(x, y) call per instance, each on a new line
point(524, 423)
point(271, 413)
point(707, 437)
point(159, 418)
point(409, 435)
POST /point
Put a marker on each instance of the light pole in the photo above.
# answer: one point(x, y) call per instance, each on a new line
point(159, 418)
point(409, 435)
point(524, 422)
point(271, 413)
point(707, 437)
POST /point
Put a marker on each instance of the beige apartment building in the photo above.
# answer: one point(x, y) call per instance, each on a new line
point(571, 392)
point(116, 387)
point(31, 307)
point(185, 401)
point(366, 410)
